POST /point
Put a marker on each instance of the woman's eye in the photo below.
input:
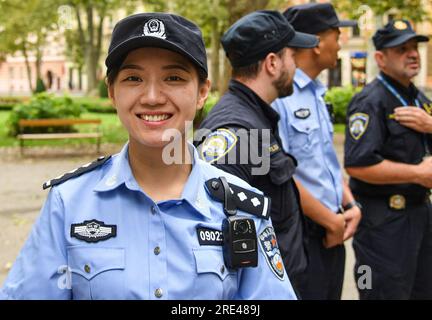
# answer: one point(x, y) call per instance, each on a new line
point(133, 78)
point(174, 78)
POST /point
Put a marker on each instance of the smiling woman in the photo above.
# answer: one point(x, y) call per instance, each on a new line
point(131, 226)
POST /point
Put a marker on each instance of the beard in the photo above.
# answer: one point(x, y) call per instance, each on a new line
point(284, 85)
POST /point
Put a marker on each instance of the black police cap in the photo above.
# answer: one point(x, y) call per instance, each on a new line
point(395, 33)
point(160, 30)
point(315, 17)
point(257, 34)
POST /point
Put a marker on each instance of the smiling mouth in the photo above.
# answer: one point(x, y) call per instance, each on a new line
point(154, 117)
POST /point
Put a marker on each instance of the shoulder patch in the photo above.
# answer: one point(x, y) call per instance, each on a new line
point(358, 123)
point(269, 246)
point(76, 172)
point(245, 200)
point(302, 113)
point(217, 144)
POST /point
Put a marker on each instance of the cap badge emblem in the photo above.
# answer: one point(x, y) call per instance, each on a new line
point(154, 28)
point(400, 25)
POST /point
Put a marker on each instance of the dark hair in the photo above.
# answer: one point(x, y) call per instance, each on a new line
point(251, 71)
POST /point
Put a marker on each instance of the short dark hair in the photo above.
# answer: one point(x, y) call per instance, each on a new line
point(251, 71)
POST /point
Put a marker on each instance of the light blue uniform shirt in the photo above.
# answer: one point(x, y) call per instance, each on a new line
point(155, 252)
point(306, 131)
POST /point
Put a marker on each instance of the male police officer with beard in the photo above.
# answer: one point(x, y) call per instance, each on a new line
point(242, 136)
point(387, 146)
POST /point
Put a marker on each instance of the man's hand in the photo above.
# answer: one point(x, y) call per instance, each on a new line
point(424, 173)
point(352, 219)
point(335, 233)
point(414, 118)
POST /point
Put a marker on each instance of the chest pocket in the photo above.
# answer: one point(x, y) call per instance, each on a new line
point(282, 167)
point(305, 136)
point(214, 279)
point(97, 273)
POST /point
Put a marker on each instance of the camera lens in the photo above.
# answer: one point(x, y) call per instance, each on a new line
point(242, 227)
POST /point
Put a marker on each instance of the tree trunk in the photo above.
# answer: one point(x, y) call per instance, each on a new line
point(28, 67)
point(38, 62)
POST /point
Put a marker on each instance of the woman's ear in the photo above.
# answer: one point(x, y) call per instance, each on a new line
point(110, 92)
point(203, 92)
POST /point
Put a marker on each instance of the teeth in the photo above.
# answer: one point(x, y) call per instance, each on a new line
point(154, 118)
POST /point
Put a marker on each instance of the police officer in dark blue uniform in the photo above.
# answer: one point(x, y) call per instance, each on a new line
point(386, 154)
point(242, 135)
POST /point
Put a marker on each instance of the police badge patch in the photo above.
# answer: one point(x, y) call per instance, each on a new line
point(269, 246)
point(218, 144)
point(358, 123)
point(93, 231)
point(302, 113)
point(154, 28)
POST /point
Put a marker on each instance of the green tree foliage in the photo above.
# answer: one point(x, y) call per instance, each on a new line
point(411, 9)
point(24, 28)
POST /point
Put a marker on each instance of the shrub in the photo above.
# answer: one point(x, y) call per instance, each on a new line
point(7, 103)
point(103, 90)
point(40, 86)
point(212, 99)
point(44, 106)
point(340, 97)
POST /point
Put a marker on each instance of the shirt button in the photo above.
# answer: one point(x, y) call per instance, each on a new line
point(87, 268)
point(222, 269)
point(158, 293)
point(157, 250)
point(153, 209)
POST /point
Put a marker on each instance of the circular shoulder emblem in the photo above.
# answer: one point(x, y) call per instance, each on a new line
point(154, 28)
point(217, 144)
point(358, 123)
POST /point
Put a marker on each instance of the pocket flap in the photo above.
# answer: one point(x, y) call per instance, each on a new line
point(304, 126)
point(88, 262)
point(210, 260)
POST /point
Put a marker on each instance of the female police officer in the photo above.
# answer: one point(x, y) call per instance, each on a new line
point(136, 225)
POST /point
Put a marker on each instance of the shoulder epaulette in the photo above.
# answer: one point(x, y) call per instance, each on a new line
point(245, 200)
point(76, 172)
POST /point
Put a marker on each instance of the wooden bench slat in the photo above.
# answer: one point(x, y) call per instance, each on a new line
point(55, 122)
point(33, 136)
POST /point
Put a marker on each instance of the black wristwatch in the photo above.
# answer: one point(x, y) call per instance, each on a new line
point(352, 204)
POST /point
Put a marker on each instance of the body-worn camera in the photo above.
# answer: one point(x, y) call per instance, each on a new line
point(240, 242)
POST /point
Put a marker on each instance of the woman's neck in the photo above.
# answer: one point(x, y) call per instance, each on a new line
point(159, 178)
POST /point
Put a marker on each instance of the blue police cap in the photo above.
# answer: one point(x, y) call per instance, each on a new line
point(315, 17)
point(395, 33)
point(257, 34)
point(159, 30)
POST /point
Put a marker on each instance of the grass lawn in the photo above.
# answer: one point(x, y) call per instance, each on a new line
point(111, 127)
point(339, 128)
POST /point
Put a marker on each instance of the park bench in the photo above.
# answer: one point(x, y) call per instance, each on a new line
point(23, 123)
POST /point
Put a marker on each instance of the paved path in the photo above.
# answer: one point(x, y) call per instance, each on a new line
point(21, 197)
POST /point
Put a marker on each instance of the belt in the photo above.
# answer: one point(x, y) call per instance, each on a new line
point(401, 201)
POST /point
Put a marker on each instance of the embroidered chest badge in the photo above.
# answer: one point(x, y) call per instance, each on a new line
point(93, 231)
point(302, 113)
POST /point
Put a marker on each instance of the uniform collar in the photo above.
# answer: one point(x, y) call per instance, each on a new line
point(410, 92)
point(258, 104)
point(302, 80)
point(120, 173)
